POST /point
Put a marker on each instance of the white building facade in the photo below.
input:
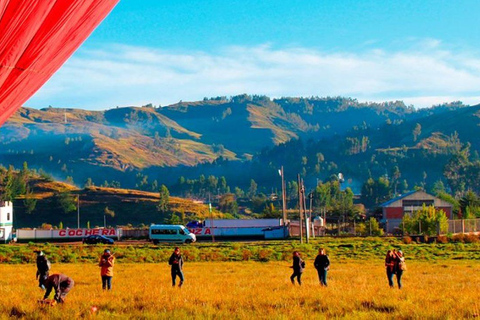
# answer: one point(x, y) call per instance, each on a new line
point(6, 221)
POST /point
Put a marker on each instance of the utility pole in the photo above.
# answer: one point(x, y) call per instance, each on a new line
point(212, 230)
point(284, 200)
point(310, 196)
point(300, 203)
point(305, 213)
point(78, 211)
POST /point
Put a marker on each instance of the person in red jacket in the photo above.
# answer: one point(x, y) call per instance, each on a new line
point(62, 285)
point(107, 260)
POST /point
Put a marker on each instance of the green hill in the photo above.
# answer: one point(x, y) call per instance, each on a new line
point(242, 138)
point(130, 207)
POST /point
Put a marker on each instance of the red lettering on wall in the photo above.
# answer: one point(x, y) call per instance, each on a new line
point(207, 231)
point(195, 231)
point(62, 233)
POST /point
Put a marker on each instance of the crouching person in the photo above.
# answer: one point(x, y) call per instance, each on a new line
point(62, 285)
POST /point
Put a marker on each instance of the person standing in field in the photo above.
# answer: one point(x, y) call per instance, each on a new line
point(176, 263)
point(107, 260)
point(390, 265)
point(43, 268)
point(298, 267)
point(400, 266)
point(322, 264)
point(62, 285)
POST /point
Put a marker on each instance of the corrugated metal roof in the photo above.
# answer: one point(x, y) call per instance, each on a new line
point(385, 204)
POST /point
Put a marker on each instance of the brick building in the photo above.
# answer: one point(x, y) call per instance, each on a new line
point(394, 210)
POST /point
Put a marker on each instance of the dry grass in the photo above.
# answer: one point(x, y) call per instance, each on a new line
point(251, 290)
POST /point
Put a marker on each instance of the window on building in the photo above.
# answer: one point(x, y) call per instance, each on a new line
point(8, 216)
point(417, 203)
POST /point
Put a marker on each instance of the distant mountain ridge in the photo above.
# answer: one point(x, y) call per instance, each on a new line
point(120, 142)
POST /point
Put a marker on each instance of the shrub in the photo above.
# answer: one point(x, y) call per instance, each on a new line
point(264, 255)
point(190, 254)
point(442, 239)
point(458, 238)
point(471, 238)
point(407, 240)
point(246, 255)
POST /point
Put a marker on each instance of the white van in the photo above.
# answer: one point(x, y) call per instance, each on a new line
point(170, 233)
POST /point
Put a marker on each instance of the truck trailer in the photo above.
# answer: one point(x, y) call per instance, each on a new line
point(239, 228)
point(65, 235)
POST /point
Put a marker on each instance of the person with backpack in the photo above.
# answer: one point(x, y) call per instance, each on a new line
point(62, 285)
point(390, 266)
point(298, 266)
point(400, 266)
point(107, 260)
point(322, 264)
point(43, 268)
point(176, 263)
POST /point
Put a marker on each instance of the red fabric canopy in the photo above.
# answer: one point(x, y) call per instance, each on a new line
point(36, 38)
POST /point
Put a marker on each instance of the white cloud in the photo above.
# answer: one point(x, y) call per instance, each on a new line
point(125, 75)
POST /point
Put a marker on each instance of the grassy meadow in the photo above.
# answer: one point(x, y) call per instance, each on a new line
point(251, 290)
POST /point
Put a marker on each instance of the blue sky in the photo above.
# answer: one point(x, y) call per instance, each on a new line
point(160, 52)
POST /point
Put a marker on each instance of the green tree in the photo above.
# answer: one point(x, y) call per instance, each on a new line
point(271, 212)
point(252, 190)
point(375, 192)
point(438, 187)
point(29, 202)
point(470, 205)
point(374, 227)
point(228, 204)
point(69, 180)
point(417, 132)
point(164, 199)
point(174, 219)
point(223, 185)
point(89, 183)
point(426, 221)
point(396, 174)
point(455, 170)
point(107, 212)
point(66, 202)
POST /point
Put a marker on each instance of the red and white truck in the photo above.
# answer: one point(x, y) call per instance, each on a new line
point(239, 228)
point(65, 235)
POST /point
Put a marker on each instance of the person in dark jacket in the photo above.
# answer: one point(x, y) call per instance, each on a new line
point(176, 261)
point(399, 260)
point(390, 266)
point(298, 266)
point(322, 264)
point(62, 285)
point(43, 268)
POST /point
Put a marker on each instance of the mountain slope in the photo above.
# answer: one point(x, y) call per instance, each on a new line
point(338, 134)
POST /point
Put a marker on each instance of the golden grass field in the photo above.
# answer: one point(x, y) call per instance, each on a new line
point(251, 290)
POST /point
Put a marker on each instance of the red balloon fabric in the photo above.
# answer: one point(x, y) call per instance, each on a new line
point(36, 38)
